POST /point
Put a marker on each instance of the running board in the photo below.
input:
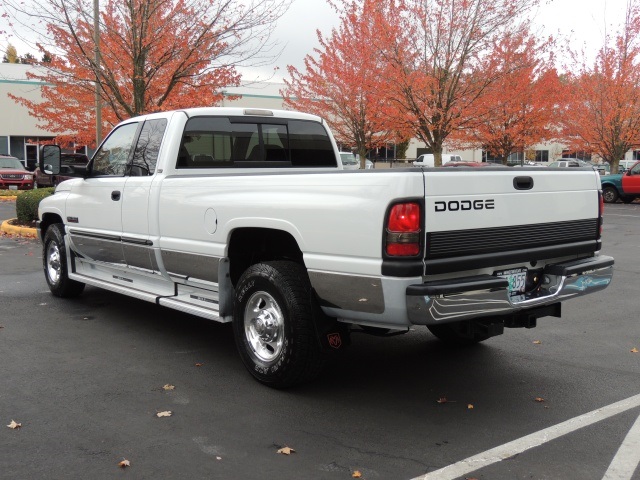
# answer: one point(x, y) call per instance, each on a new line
point(152, 288)
point(210, 313)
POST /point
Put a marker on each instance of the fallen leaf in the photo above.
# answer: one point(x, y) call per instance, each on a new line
point(167, 413)
point(634, 350)
point(539, 399)
point(124, 463)
point(13, 425)
point(218, 458)
point(356, 474)
point(286, 450)
point(470, 406)
point(444, 400)
point(169, 387)
point(199, 364)
point(537, 342)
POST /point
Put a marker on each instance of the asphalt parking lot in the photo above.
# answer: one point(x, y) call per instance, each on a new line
point(85, 379)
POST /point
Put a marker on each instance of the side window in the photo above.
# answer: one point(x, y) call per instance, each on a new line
point(145, 155)
point(111, 158)
point(310, 145)
point(635, 170)
point(207, 142)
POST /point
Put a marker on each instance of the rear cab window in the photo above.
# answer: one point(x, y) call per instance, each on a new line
point(241, 142)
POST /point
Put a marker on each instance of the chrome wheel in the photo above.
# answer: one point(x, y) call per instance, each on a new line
point(54, 267)
point(264, 326)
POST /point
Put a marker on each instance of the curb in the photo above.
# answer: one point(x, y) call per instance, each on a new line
point(20, 231)
point(7, 198)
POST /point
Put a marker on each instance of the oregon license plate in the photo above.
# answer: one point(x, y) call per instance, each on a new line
point(13, 187)
point(517, 278)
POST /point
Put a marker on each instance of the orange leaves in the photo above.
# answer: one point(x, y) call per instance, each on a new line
point(286, 450)
point(124, 463)
point(356, 474)
point(634, 350)
point(169, 387)
point(143, 69)
point(539, 399)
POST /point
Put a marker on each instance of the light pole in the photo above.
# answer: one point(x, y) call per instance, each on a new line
point(96, 30)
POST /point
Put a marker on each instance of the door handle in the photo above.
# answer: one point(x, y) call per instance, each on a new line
point(115, 195)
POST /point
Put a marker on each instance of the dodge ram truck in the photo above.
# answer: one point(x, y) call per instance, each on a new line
point(247, 216)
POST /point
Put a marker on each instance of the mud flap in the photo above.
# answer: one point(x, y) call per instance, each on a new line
point(334, 336)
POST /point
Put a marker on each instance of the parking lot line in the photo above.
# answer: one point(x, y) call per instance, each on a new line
point(536, 439)
point(627, 457)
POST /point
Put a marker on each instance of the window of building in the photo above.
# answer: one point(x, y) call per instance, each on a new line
point(577, 155)
point(542, 156)
point(636, 155)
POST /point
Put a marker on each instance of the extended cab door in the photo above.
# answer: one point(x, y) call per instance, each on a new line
point(137, 246)
point(631, 180)
point(94, 206)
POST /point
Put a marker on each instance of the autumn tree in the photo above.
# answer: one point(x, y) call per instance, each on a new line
point(518, 109)
point(340, 80)
point(603, 108)
point(153, 55)
point(10, 55)
point(434, 51)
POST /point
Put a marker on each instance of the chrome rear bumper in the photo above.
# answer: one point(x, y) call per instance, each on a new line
point(485, 295)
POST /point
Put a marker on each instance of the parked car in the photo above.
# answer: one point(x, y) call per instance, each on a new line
point(625, 165)
point(71, 163)
point(472, 164)
point(428, 160)
point(13, 175)
point(623, 186)
point(349, 161)
point(569, 162)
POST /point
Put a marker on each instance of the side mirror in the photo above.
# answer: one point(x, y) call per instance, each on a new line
point(50, 159)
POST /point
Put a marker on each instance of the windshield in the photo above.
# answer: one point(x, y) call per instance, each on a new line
point(348, 159)
point(11, 163)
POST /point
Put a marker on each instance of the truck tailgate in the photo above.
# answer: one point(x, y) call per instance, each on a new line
point(500, 216)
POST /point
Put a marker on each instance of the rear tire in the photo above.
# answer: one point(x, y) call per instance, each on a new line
point(55, 264)
point(273, 324)
point(610, 195)
point(454, 334)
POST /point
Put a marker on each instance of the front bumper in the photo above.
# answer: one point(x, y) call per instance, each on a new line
point(467, 298)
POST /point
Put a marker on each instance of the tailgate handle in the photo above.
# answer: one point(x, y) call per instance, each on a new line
point(523, 183)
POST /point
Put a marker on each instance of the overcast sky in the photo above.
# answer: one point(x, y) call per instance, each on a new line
point(584, 21)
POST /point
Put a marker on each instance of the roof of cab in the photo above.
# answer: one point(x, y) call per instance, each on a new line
point(236, 112)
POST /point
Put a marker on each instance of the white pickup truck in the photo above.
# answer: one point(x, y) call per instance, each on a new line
point(246, 216)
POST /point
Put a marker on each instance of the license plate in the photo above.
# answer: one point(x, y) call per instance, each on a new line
point(517, 278)
point(13, 187)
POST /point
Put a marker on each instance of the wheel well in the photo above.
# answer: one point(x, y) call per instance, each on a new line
point(48, 219)
point(248, 246)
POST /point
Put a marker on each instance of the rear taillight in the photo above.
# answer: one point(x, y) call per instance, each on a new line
point(403, 230)
point(600, 214)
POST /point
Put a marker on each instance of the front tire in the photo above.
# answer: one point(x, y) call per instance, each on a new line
point(273, 324)
point(55, 264)
point(610, 195)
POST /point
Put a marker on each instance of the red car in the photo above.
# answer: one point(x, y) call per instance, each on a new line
point(13, 175)
point(70, 163)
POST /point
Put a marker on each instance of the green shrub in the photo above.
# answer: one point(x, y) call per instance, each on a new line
point(27, 203)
